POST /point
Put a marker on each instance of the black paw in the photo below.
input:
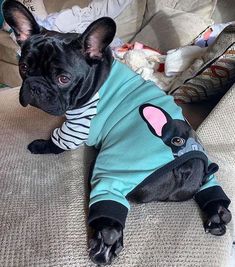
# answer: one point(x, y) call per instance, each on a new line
point(41, 146)
point(216, 224)
point(38, 146)
point(106, 244)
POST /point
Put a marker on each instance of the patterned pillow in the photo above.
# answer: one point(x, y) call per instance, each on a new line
point(212, 82)
point(213, 73)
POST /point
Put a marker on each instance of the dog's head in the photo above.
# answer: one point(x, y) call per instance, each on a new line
point(60, 71)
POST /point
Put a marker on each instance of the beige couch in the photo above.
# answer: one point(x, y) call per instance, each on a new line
point(43, 197)
point(44, 201)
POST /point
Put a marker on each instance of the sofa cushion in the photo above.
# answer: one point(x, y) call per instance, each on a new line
point(203, 8)
point(8, 48)
point(36, 7)
point(9, 74)
point(130, 20)
point(224, 11)
point(57, 5)
point(44, 201)
point(170, 28)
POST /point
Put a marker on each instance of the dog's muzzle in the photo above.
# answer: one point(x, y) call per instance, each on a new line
point(36, 93)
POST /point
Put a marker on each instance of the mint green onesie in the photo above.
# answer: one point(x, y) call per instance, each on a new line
point(130, 120)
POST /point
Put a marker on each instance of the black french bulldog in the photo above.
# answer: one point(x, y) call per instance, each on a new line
point(62, 72)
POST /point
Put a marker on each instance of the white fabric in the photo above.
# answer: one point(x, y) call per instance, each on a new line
point(178, 60)
point(48, 22)
point(77, 19)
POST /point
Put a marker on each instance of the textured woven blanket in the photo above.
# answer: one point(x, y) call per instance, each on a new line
point(43, 200)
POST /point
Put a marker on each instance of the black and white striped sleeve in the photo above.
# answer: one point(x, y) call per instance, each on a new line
point(75, 130)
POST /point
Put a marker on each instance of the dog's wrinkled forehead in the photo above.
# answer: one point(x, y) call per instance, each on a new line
point(50, 47)
point(50, 42)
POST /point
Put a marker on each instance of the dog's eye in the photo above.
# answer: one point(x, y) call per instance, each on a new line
point(177, 141)
point(63, 80)
point(23, 67)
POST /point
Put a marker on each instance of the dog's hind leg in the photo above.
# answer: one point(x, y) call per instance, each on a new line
point(106, 242)
point(214, 204)
point(183, 183)
point(178, 184)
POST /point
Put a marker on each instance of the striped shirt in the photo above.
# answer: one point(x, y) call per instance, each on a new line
point(75, 130)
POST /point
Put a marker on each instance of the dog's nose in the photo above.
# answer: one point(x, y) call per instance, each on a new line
point(35, 90)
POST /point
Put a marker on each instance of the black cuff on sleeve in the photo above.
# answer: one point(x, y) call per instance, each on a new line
point(211, 194)
point(108, 209)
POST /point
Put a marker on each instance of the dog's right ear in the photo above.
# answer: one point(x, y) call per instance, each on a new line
point(20, 20)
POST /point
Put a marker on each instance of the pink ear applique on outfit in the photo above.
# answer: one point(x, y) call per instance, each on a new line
point(155, 118)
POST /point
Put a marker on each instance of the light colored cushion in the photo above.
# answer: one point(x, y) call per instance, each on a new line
point(36, 7)
point(170, 28)
point(203, 8)
point(9, 74)
point(7, 48)
point(44, 201)
point(224, 11)
point(70, 3)
point(57, 5)
point(129, 21)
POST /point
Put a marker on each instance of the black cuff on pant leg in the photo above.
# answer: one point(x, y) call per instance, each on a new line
point(211, 194)
point(108, 209)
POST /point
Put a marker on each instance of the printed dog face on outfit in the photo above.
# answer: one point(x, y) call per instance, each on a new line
point(147, 151)
point(177, 134)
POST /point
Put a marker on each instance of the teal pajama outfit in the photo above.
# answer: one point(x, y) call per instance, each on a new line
point(128, 151)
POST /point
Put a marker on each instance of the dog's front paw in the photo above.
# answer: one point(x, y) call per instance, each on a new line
point(216, 224)
point(38, 146)
point(106, 244)
point(41, 146)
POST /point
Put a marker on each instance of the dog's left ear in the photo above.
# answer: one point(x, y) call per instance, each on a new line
point(97, 37)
